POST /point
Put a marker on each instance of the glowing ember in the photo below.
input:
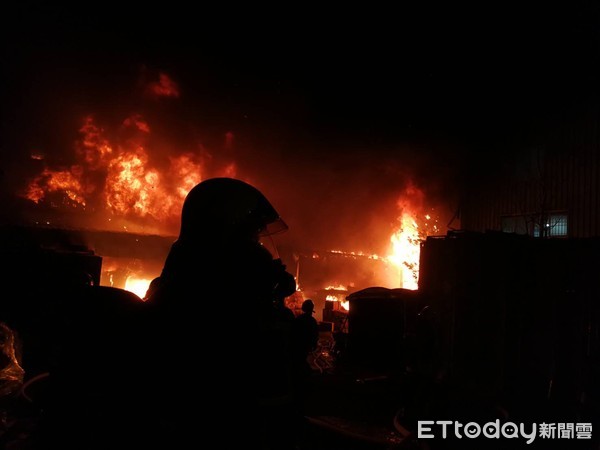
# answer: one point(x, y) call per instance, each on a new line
point(339, 287)
point(12, 372)
point(352, 254)
point(138, 286)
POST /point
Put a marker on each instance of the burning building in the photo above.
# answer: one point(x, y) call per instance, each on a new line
point(120, 181)
point(115, 194)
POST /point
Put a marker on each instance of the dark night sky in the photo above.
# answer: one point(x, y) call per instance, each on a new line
point(372, 76)
point(317, 95)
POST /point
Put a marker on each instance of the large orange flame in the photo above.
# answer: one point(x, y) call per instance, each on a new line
point(67, 181)
point(130, 184)
point(415, 223)
point(121, 176)
point(93, 148)
point(406, 251)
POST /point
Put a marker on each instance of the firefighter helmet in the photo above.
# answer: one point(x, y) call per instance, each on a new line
point(227, 206)
point(308, 306)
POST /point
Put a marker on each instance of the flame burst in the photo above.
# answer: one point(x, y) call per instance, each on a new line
point(120, 177)
point(67, 181)
point(138, 286)
point(406, 249)
point(339, 287)
point(337, 296)
point(414, 226)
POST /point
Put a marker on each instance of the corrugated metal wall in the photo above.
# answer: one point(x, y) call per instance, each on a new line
point(561, 173)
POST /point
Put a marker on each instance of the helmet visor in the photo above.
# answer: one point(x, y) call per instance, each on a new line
point(275, 227)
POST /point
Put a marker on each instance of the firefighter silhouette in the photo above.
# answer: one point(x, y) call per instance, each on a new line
point(216, 319)
point(306, 331)
point(305, 337)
